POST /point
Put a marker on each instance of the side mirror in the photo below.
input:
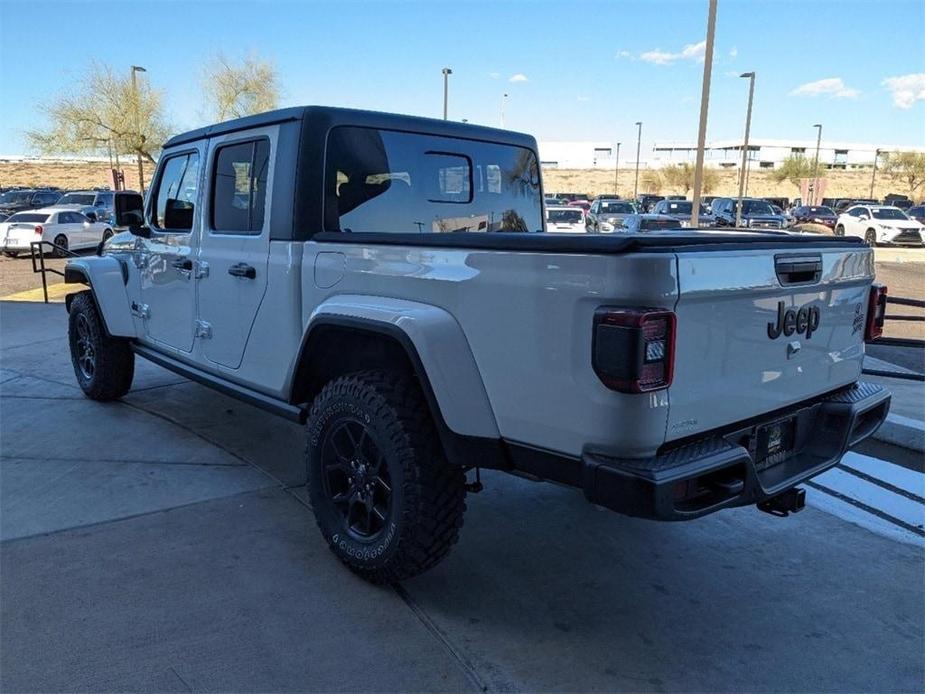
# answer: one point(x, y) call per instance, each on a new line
point(91, 216)
point(864, 217)
point(129, 209)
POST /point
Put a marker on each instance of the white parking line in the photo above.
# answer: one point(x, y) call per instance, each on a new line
point(886, 498)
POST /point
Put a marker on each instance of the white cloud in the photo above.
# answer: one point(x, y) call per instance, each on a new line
point(624, 54)
point(494, 75)
point(584, 98)
point(733, 52)
point(692, 51)
point(519, 77)
point(906, 89)
point(832, 87)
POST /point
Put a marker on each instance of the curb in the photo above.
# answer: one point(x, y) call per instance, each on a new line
point(902, 431)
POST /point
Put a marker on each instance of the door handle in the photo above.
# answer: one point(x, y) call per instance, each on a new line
point(242, 270)
point(184, 266)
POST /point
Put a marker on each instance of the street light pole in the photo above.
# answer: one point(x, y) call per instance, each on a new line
point(141, 175)
point(818, 127)
point(503, 101)
point(638, 143)
point(873, 176)
point(446, 86)
point(616, 169)
point(748, 125)
point(704, 109)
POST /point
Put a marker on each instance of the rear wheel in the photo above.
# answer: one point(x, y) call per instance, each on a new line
point(104, 365)
point(839, 230)
point(384, 497)
point(60, 245)
point(871, 238)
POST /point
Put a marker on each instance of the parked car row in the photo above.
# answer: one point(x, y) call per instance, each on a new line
point(97, 205)
point(876, 224)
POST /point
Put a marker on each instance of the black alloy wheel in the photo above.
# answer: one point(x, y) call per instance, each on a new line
point(356, 479)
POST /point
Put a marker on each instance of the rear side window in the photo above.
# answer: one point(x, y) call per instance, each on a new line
point(239, 187)
point(394, 182)
point(175, 200)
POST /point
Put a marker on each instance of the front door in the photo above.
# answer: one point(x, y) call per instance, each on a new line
point(167, 259)
point(235, 241)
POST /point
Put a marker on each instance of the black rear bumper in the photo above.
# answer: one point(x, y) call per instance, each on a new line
point(726, 469)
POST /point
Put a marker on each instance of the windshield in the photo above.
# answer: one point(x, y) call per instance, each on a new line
point(617, 207)
point(564, 216)
point(30, 217)
point(682, 207)
point(888, 213)
point(650, 224)
point(756, 207)
point(76, 199)
point(15, 196)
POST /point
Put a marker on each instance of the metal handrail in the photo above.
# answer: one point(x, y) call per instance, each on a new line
point(35, 248)
point(901, 301)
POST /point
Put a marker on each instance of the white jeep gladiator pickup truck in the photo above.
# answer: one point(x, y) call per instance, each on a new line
point(387, 281)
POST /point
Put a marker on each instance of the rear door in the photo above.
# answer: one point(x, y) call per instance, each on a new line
point(235, 241)
point(759, 330)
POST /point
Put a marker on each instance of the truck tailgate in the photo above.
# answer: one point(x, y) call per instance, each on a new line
point(758, 330)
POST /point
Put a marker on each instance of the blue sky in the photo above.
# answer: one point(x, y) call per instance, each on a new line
point(589, 69)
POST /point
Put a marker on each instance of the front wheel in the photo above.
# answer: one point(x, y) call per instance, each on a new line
point(840, 230)
point(871, 238)
point(384, 496)
point(104, 365)
point(107, 234)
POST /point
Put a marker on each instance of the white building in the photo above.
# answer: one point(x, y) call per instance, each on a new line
point(763, 153)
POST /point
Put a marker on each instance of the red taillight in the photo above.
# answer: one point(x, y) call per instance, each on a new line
point(38, 230)
point(876, 312)
point(633, 349)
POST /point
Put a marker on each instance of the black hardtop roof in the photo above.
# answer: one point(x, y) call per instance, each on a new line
point(326, 117)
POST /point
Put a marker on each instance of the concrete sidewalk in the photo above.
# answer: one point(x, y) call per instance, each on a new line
point(164, 543)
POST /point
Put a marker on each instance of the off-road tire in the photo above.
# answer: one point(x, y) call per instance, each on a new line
point(870, 237)
point(427, 500)
point(839, 230)
point(60, 246)
point(113, 362)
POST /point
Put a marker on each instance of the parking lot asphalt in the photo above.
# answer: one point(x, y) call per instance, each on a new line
point(165, 543)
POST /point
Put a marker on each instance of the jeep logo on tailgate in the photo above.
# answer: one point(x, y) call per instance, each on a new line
point(804, 320)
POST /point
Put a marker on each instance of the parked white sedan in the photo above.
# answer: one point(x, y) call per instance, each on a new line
point(566, 218)
point(67, 229)
point(878, 224)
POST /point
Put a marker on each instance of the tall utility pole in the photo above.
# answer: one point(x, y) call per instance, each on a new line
point(503, 101)
point(748, 126)
point(818, 127)
point(704, 109)
point(873, 176)
point(446, 86)
point(638, 142)
point(141, 175)
point(616, 169)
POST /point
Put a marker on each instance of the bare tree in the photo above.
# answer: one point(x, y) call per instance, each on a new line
point(908, 167)
point(98, 115)
point(681, 177)
point(235, 90)
point(794, 168)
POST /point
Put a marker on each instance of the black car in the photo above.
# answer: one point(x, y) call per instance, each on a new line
point(844, 203)
point(756, 213)
point(14, 201)
point(606, 214)
point(646, 201)
point(815, 214)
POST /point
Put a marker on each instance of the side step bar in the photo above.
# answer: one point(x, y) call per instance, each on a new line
point(278, 407)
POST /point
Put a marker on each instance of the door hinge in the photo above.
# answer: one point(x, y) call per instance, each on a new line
point(203, 329)
point(202, 269)
point(141, 310)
